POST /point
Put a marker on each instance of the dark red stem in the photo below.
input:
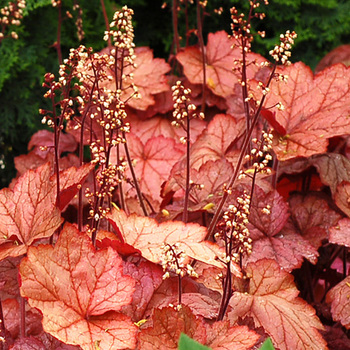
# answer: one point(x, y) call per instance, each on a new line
point(187, 191)
point(175, 27)
point(58, 43)
point(106, 21)
point(244, 148)
point(202, 48)
point(136, 183)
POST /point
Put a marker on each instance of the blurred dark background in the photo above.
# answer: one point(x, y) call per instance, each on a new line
point(321, 26)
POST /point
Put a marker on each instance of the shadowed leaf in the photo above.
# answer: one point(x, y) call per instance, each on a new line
point(338, 297)
point(313, 217)
point(273, 235)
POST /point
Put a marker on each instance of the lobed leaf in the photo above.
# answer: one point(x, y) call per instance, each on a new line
point(148, 76)
point(273, 235)
point(219, 57)
point(339, 234)
point(341, 197)
point(168, 292)
point(271, 299)
point(28, 212)
point(333, 169)
point(316, 108)
point(79, 291)
point(148, 277)
point(313, 216)
point(167, 326)
point(338, 297)
point(211, 177)
point(146, 235)
point(222, 336)
point(157, 126)
point(339, 54)
point(153, 161)
point(45, 138)
point(217, 141)
point(199, 304)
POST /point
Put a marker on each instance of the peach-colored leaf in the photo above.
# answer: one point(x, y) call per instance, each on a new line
point(338, 297)
point(79, 291)
point(340, 54)
point(167, 326)
point(316, 108)
point(28, 212)
point(163, 103)
point(200, 304)
point(148, 76)
point(219, 62)
point(157, 126)
point(207, 275)
point(149, 237)
point(217, 141)
point(220, 336)
point(207, 182)
point(25, 162)
point(272, 301)
point(45, 138)
point(168, 292)
point(153, 161)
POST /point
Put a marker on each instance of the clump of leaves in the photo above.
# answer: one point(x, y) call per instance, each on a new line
point(136, 221)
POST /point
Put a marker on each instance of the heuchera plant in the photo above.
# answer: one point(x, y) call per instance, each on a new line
point(207, 196)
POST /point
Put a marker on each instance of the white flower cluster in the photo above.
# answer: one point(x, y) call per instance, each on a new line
point(281, 53)
point(173, 261)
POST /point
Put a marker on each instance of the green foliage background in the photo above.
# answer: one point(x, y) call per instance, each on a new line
point(321, 26)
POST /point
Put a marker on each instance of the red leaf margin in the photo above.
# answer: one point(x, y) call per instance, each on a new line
point(79, 291)
point(271, 299)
